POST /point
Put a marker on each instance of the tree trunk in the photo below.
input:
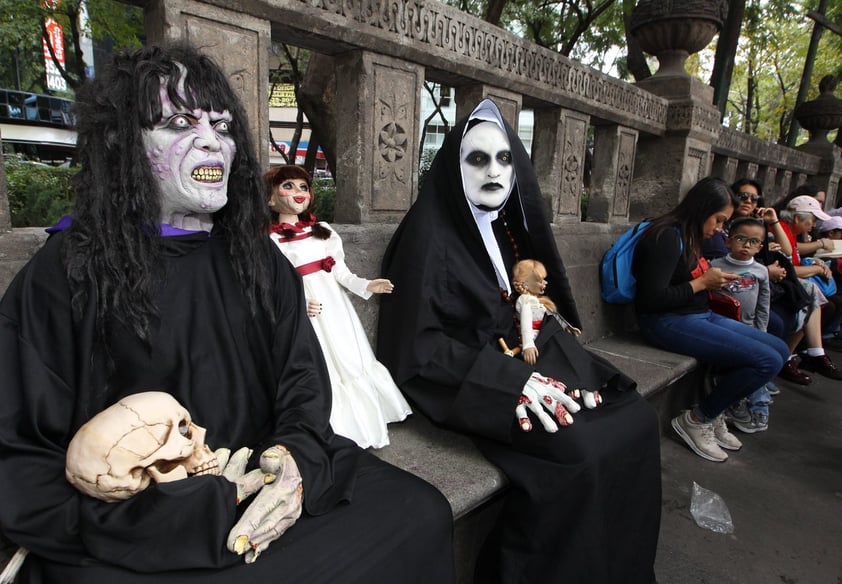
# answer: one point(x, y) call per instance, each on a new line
point(635, 59)
point(726, 49)
point(317, 98)
point(749, 112)
point(494, 11)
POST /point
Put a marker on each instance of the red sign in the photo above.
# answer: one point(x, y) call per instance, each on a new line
point(56, 38)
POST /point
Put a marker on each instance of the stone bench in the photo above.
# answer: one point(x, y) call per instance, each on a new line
point(448, 460)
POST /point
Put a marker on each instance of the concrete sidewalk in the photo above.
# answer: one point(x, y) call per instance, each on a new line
point(783, 490)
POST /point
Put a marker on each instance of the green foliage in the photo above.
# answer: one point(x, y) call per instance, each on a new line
point(582, 29)
point(38, 194)
point(324, 190)
point(20, 36)
point(770, 62)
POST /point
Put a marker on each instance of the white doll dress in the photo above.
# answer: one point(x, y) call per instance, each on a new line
point(365, 398)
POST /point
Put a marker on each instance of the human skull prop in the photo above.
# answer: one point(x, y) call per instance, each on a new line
point(142, 438)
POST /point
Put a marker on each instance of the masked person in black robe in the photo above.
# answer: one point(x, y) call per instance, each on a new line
point(584, 499)
point(165, 280)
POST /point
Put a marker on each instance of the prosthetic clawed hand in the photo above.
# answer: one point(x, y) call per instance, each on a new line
point(543, 394)
point(275, 508)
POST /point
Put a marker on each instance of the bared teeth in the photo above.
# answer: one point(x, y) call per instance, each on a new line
point(210, 174)
point(210, 467)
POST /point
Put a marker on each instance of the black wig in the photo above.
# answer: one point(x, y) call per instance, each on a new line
point(113, 246)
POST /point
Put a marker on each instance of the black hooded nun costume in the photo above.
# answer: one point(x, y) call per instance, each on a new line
point(584, 503)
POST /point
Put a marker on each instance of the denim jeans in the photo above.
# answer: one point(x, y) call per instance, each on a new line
point(758, 401)
point(744, 358)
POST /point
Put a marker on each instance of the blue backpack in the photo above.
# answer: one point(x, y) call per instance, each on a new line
point(616, 280)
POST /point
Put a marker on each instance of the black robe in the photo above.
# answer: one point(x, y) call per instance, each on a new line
point(585, 502)
point(249, 382)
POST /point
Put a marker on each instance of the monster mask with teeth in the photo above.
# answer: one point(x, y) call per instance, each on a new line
point(190, 153)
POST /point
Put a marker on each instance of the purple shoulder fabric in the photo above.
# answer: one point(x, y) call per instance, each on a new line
point(167, 230)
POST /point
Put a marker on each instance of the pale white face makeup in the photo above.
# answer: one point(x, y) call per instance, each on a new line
point(486, 161)
point(190, 153)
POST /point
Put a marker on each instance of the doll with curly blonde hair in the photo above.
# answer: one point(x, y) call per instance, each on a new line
point(529, 281)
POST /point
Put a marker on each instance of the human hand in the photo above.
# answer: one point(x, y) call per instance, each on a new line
point(275, 508)
point(380, 286)
point(823, 270)
point(314, 307)
point(768, 214)
point(530, 355)
point(716, 278)
point(776, 272)
point(541, 393)
point(774, 246)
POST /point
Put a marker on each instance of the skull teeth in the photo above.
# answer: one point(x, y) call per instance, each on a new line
point(211, 467)
point(209, 174)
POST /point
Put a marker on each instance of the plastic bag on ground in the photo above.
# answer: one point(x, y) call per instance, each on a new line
point(710, 511)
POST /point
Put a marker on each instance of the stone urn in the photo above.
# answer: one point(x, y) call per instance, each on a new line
point(672, 30)
point(823, 114)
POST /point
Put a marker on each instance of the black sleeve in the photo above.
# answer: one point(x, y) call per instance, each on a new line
point(39, 355)
point(663, 278)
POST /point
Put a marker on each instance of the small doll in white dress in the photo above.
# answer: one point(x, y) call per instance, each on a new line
point(529, 279)
point(365, 398)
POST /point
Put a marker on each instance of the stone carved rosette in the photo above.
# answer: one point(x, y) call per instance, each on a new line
point(394, 127)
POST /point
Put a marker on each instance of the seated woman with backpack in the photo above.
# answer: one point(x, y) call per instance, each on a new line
point(673, 285)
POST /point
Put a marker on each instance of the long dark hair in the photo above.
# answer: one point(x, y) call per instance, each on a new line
point(707, 197)
point(112, 249)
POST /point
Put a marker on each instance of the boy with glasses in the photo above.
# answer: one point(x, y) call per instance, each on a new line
point(745, 238)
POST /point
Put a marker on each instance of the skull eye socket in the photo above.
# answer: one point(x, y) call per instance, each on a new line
point(184, 428)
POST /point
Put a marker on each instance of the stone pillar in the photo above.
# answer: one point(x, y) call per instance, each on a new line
point(668, 166)
point(783, 184)
point(5, 215)
point(558, 145)
point(377, 129)
point(468, 96)
point(237, 42)
point(766, 175)
point(830, 171)
point(611, 174)
point(747, 169)
point(725, 168)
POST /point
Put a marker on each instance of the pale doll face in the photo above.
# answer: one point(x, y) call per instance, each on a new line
point(536, 283)
point(486, 161)
point(190, 153)
point(291, 197)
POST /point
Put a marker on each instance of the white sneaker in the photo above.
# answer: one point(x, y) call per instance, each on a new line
point(699, 437)
point(723, 437)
